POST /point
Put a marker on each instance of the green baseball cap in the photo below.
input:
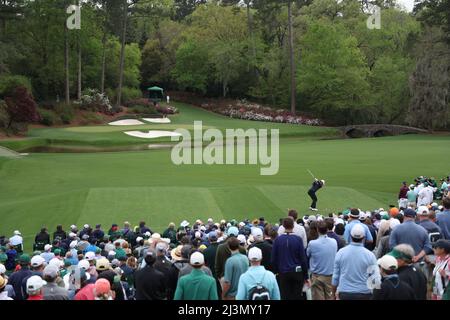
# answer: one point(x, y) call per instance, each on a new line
point(24, 259)
point(57, 252)
point(3, 257)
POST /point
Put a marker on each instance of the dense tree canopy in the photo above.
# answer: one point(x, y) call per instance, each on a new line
point(345, 71)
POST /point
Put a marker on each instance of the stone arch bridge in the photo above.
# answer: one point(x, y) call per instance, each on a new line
point(378, 130)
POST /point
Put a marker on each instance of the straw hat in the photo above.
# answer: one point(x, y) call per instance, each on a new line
point(176, 253)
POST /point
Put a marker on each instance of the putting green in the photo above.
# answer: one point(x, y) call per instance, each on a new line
point(113, 187)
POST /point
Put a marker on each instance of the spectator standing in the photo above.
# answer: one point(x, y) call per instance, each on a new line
point(289, 260)
point(402, 196)
point(47, 254)
point(17, 241)
point(223, 252)
point(321, 253)
point(411, 233)
point(171, 233)
point(196, 285)
point(264, 246)
point(257, 277)
point(425, 195)
point(353, 266)
point(236, 265)
point(149, 282)
point(34, 288)
point(298, 230)
point(86, 291)
point(210, 252)
point(41, 239)
point(51, 290)
point(353, 219)
point(98, 232)
point(441, 272)
point(443, 219)
point(392, 287)
point(59, 233)
point(413, 276)
point(17, 278)
point(332, 235)
point(3, 293)
point(411, 195)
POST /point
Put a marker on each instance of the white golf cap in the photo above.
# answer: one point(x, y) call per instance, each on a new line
point(323, 182)
point(241, 224)
point(210, 220)
point(422, 211)
point(89, 256)
point(198, 234)
point(72, 235)
point(184, 223)
point(56, 262)
point(17, 233)
point(73, 227)
point(138, 239)
point(242, 239)
point(86, 226)
point(202, 228)
point(37, 261)
point(257, 233)
point(35, 283)
point(84, 264)
point(358, 231)
point(47, 247)
point(111, 253)
point(255, 254)
point(147, 234)
point(51, 271)
point(73, 244)
point(434, 204)
point(388, 262)
point(197, 258)
point(393, 223)
point(2, 269)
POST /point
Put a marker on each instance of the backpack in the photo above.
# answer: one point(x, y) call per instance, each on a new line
point(259, 292)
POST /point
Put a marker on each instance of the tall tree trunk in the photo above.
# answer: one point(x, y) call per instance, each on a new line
point(252, 38)
point(102, 81)
point(79, 69)
point(122, 54)
point(66, 64)
point(291, 58)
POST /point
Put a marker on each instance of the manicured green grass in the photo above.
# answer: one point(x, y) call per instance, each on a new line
point(46, 189)
point(77, 188)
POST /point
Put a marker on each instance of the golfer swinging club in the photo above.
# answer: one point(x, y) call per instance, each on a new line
point(316, 185)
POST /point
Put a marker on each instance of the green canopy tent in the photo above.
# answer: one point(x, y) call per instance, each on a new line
point(155, 94)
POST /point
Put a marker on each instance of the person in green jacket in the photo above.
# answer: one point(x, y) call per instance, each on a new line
point(197, 285)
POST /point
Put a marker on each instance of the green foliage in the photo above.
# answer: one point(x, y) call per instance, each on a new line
point(332, 73)
point(10, 82)
point(89, 117)
point(4, 117)
point(49, 117)
point(131, 93)
point(65, 112)
point(191, 69)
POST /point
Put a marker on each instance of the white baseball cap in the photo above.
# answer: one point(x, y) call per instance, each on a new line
point(242, 239)
point(255, 254)
point(197, 258)
point(111, 253)
point(37, 261)
point(184, 224)
point(17, 233)
point(86, 226)
point(241, 224)
point(257, 233)
point(35, 283)
point(198, 235)
point(393, 223)
point(84, 264)
point(73, 227)
point(422, 211)
point(47, 247)
point(73, 244)
point(358, 231)
point(89, 256)
point(138, 239)
point(72, 235)
point(388, 262)
point(2, 269)
point(56, 262)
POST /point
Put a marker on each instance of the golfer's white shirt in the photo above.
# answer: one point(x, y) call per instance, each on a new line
point(298, 231)
point(16, 240)
point(425, 196)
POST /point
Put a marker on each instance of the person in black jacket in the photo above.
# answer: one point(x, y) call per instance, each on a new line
point(59, 233)
point(316, 185)
point(149, 282)
point(392, 287)
point(416, 279)
point(41, 239)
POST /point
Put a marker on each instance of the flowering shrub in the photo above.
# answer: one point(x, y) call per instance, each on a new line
point(166, 109)
point(256, 112)
point(93, 100)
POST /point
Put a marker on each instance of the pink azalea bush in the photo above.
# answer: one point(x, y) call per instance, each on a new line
point(256, 112)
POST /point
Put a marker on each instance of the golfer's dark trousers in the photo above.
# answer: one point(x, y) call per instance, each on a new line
point(313, 196)
point(291, 285)
point(354, 296)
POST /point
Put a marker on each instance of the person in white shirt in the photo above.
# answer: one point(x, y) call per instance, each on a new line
point(425, 196)
point(298, 229)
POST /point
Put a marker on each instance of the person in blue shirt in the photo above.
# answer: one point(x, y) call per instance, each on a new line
point(443, 219)
point(353, 219)
point(355, 271)
point(413, 234)
point(321, 253)
point(236, 265)
point(257, 275)
point(290, 261)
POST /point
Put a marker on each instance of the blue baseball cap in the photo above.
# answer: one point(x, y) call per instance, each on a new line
point(232, 231)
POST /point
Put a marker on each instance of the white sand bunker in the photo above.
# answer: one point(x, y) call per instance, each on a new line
point(152, 134)
point(157, 120)
point(127, 122)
